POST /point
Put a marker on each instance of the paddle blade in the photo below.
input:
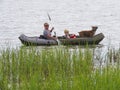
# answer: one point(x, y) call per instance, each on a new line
point(58, 41)
point(49, 16)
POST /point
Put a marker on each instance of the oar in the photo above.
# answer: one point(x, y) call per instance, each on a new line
point(49, 16)
point(58, 41)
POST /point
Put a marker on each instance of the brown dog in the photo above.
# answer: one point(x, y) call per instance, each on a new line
point(88, 33)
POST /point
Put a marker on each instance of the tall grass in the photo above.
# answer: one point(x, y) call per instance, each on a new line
point(56, 69)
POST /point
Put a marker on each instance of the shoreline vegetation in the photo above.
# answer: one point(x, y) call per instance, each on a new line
point(58, 69)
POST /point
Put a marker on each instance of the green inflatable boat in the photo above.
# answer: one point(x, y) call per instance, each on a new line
point(38, 41)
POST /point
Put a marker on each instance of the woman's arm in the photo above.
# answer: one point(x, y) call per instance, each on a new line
point(50, 37)
point(52, 29)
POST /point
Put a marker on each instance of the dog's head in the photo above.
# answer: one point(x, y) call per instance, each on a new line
point(94, 28)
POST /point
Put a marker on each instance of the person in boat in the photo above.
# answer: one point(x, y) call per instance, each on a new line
point(67, 35)
point(47, 32)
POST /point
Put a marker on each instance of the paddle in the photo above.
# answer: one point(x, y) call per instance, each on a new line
point(49, 16)
point(54, 32)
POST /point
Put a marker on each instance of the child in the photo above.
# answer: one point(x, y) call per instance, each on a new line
point(67, 35)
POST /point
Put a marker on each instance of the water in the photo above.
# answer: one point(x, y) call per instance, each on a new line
point(28, 16)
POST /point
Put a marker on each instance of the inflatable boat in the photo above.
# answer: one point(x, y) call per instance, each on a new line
point(38, 41)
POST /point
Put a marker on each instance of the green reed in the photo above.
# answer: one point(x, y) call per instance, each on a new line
point(56, 69)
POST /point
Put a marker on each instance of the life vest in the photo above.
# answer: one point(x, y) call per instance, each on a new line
point(72, 36)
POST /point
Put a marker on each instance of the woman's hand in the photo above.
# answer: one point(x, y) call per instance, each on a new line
point(52, 29)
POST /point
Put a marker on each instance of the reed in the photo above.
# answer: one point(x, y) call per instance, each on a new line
point(57, 69)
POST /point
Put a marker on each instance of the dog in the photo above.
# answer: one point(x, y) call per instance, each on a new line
point(88, 33)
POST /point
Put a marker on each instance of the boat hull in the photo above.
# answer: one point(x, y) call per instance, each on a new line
point(36, 41)
point(83, 41)
point(28, 41)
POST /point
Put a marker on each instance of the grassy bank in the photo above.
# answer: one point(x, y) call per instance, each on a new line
point(57, 69)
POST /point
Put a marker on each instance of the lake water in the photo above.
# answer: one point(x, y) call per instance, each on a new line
point(27, 17)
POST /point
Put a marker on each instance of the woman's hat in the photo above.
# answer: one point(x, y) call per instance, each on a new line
point(46, 24)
